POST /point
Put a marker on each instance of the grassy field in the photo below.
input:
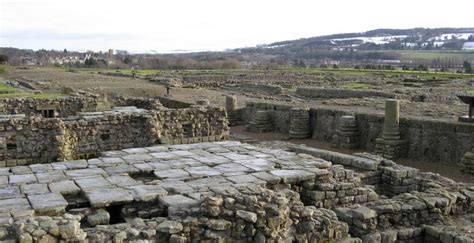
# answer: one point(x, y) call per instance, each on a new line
point(31, 95)
point(4, 88)
point(432, 55)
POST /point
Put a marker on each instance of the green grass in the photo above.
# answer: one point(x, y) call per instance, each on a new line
point(7, 88)
point(431, 55)
point(356, 85)
point(31, 95)
point(470, 91)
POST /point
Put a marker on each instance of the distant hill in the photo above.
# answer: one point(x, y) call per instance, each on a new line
point(388, 39)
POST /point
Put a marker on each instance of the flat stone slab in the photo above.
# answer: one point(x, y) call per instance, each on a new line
point(48, 203)
point(257, 164)
point(121, 169)
point(136, 150)
point(231, 167)
point(10, 192)
point(239, 179)
point(202, 171)
point(122, 180)
point(14, 204)
point(64, 187)
point(182, 153)
point(92, 182)
point(176, 187)
point(50, 176)
point(147, 193)
point(37, 168)
point(292, 176)
point(104, 197)
point(85, 172)
point(22, 179)
point(269, 178)
point(3, 180)
point(70, 165)
point(178, 201)
point(171, 174)
point(137, 158)
point(31, 189)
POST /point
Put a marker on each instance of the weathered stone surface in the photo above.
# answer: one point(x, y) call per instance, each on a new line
point(14, 204)
point(102, 197)
point(85, 172)
point(247, 216)
point(48, 203)
point(64, 187)
point(147, 193)
point(291, 176)
point(98, 217)
point(92, 182)
point(31, 189)
point(22, 179)
point(171, 174)
point(178, 201)
point(170, 227)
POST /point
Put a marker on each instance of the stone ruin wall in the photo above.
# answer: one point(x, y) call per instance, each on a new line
point(426, 139)
point(62, 107)
point(262, 88)
point(174, 104)
point(27, 140)
point(142, 103)
point(332, 93)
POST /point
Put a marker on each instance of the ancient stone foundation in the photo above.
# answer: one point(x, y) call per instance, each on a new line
point(390, 145)
point(300, 123)
point(228, 192)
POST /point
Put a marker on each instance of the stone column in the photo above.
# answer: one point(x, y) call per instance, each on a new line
point(230, 103)
point(300, 124)
point(262, 122)
point(348, 134)
point(467, 163)
point(391, 126)
point(390, 145)
point(231, 108)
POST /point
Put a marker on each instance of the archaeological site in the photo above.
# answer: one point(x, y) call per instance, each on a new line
point(132, 121)
point(86, 167)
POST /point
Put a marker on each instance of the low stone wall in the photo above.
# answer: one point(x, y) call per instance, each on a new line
point(28, 140)
point(262, 88)
point(332, 93)
point(426, 139)
point(139, 102)
point(58, 107)
point(173, 104)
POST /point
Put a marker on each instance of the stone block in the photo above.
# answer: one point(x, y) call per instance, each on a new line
point(48, 203)
point(100, 197)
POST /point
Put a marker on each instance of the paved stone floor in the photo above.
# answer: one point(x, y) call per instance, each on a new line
point(177, 174)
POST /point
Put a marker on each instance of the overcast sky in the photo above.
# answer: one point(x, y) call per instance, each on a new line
point(141, 25)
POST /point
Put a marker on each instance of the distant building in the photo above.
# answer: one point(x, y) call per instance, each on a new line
point(110, 54)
